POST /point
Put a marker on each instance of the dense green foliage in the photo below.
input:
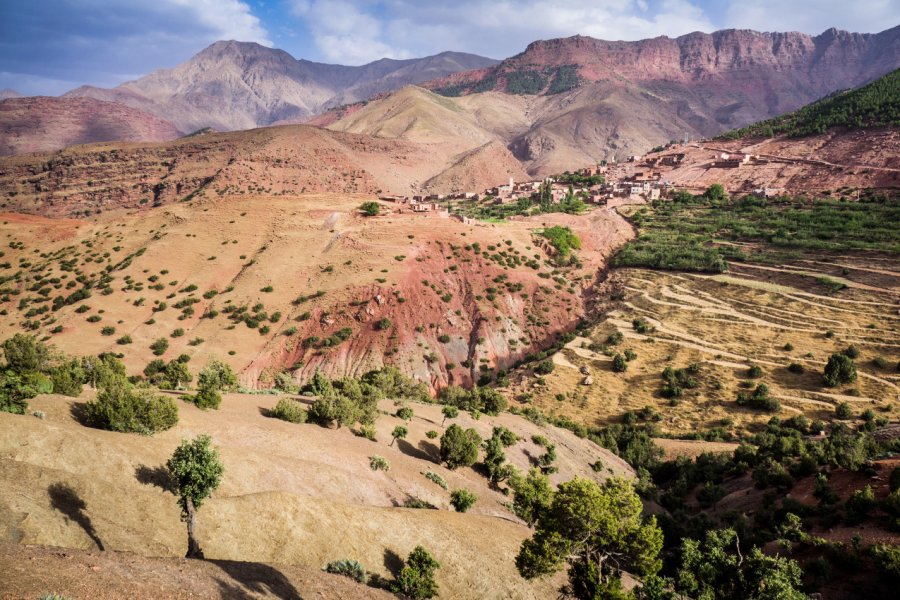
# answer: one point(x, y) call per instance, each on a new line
point(119, 406)
point(563, 240)
point(33, 368)
point(348, 568)
point(289, 410)
point(874, 105)
point(370, 208)
point(686, 234)
point(598, 530)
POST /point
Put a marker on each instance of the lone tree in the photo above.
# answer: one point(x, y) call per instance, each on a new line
point(598, 530)
point(216, 377)
point(416, 578)
point(197, 471)
point(840, 369)
point(398, 433)
point(459, 447)
point(449, 412)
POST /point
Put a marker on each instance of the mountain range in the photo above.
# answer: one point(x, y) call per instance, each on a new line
point(559, 104)
point(241, 85)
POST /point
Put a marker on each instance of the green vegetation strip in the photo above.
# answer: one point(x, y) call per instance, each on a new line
point(691, 233)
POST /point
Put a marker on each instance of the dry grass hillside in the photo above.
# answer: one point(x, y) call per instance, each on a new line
point(298, 495)
point(770, 316)
point(264, 282)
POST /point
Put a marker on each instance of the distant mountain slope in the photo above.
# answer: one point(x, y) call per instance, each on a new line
point(874, 105)
point(735, 76)
point(240, 85)
point(546, 134)
point(7, 93)
point(564, 103)
point(41, 123)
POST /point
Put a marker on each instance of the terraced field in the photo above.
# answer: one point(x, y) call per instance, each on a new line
point(755, 314)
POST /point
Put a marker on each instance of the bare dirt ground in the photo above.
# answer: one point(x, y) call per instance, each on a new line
point(761, 315)
point(27, 571)
point(296, 495)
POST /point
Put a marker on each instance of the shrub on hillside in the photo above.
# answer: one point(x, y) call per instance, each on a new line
point(290, 411)
point(348, 568)
point(462, 500)
point(127, 409)
point(459, 447)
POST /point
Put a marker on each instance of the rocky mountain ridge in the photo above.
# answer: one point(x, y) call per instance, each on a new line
point(241, 85)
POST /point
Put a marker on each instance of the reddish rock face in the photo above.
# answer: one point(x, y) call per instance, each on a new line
point(41, 123)
point(748, 75)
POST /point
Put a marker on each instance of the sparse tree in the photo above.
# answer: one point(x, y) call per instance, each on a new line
point(398, 433)
point(196, 471)
point(839, 370)
point(459, 447)
point(449, 412)
point(416, 578)
point(462, 500)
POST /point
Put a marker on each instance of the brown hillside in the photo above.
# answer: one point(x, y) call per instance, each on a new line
point(288, 497)
point(367, 269)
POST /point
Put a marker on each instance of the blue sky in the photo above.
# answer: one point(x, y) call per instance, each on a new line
point(51, 46)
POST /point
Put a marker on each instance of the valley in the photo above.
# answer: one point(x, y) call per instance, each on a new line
point(602, 320)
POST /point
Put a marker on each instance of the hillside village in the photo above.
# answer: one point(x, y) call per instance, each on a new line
point(609, 184)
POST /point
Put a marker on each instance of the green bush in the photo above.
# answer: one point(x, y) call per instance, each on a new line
point(14, 394)
point(416, 578)
point(207, 398)
point(290, 411)
point(839, 370)
point(121, 407)
point(348, 568)
point(544, 368)
point(378, 463)
point(370, 209)
point(160, 346)
point(462, 500)
point(619, 364)
point(459, 447)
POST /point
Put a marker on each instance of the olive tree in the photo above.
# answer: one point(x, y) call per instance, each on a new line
point(196, 471)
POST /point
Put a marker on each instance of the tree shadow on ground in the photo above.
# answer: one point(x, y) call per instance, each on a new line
point(67, 501)
point(155, 476)
point(393, 562)
point(251, 578)
point(410, 450)
point(431, 450)
point(78, 410)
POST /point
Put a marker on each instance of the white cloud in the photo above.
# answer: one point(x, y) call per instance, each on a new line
point(225, 19)
point(357, 31)
point(813, 16)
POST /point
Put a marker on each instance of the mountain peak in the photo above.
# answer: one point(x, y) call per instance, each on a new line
point(7, 93)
